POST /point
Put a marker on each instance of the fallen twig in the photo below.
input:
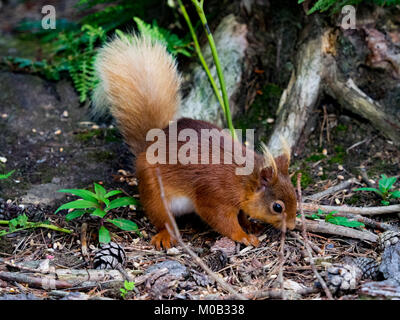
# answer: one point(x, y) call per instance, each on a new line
point(312, 245)
point(331, 190)
point(176, 234)
point(84, 249)
point(365, 178)
point(37, 282)
point(371, 223)
point(282, 255)
point(272, 294)
point(354, 210)
point(329, 228)
point(306, 242)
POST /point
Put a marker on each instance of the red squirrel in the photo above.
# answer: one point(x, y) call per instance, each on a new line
point(140, 85)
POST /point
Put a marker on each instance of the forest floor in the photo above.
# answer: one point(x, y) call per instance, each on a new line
point(352, 145)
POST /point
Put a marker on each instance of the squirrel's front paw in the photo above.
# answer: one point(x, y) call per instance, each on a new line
point(163, 240)
point(250, 239)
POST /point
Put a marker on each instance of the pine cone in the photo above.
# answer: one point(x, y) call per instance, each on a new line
point(109, 256)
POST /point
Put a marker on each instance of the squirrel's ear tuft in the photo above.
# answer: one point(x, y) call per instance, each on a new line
point(269, 174)
point(285, 147)
point(282, 162)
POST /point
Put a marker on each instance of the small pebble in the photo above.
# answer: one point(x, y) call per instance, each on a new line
point(65, 114)
point(173, 251)
point(57, 132)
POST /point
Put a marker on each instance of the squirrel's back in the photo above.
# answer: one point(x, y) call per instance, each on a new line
point(139, 84)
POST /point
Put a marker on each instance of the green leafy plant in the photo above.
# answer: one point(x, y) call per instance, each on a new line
point(128, 287)
point(385, 184)
point(21, 223)
point(336, 5)
point(7, 175)
point(342, 221)
point(224, 101)
point(98, 204)
point(320, 214)
point(174, 44)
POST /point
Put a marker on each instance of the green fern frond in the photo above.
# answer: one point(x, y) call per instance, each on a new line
point(174, 44)
point(335, 6)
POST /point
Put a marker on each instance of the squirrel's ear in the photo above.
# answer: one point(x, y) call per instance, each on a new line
point(268, 176)
point(282, 162)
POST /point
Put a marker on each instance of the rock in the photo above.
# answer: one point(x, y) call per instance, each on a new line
point(174, 268)
point(46, 162)
point(44, 194)
point(20, 296)
point(201, 102)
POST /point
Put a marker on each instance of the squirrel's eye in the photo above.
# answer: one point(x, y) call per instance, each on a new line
point(277, 207)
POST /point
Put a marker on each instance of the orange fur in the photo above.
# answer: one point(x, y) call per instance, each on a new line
point(140, 82)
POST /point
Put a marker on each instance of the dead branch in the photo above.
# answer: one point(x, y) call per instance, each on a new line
point(36, 282)
point(175, 232)
point(331, 190)
point(365, 178)
point(354, 210)
point(152, 276)
point(301, 95)
point(282, 255)
point(371, 223)
point(272, 294)
point(306, 242)
point(329, 228)
point(351, 97)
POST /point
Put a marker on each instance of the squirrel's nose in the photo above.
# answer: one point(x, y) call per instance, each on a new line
point(291, 224)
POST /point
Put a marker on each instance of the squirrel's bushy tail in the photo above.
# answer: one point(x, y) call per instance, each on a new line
point(139, 84)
